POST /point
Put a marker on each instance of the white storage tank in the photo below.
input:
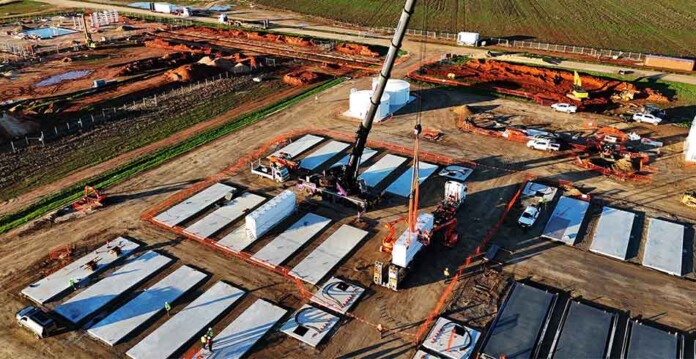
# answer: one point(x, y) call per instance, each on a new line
point(468, 38)
point(399, 91)
point(360, 103)
point(270, 214)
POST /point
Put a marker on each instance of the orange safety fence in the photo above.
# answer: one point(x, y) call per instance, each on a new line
point(460, 272)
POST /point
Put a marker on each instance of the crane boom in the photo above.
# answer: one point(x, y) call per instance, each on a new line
point(350, 173)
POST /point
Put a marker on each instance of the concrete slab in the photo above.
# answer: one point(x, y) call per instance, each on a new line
point(126, 319)
point(367, 155)
point(290, 241)
point(533, 189)
point(451, 340)
point(325, 257)
point(224, 216)
point(459, 173)
point(134, 271)
point(664, 247)
point(299, 146)
point(423, 355)
point(516, 330)
point(310, 325)
point(613, 233)
point(649, 342)
point(586, 332)
point(193, 205)
point(565, 221)
point(402, 185)
point(58, 283)
point(240, 336)
point(168, 339)
point(338, 295)
point(323, 155)
point(236, 240)
point(380, 170)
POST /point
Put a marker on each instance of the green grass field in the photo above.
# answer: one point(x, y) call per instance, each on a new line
point(662, 26)
point(23, 7)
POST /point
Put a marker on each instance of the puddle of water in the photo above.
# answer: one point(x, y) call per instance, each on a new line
point(219, 8)
point(48, 32)
point(70, 75)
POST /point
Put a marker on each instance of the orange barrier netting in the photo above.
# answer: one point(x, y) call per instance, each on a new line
point(460, 272)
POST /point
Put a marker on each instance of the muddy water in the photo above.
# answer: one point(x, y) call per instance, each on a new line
point(56, 79)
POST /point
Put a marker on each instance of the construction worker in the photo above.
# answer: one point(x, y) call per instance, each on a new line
point(168, 308)
point(380, 329)
point(204, 341)
point(209, 333)
point(210, 343)
point(72, 284)
point(447, 274)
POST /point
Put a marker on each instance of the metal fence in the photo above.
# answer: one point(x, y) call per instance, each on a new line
point(533, 45)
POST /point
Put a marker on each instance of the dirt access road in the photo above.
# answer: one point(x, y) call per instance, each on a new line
point(499, 175)
point(303, 25)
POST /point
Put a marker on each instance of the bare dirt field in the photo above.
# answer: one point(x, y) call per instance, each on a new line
point(500, 172)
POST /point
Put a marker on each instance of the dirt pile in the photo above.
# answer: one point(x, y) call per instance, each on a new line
point(355, 49)
point(549, 85)
point(192, 72)
point(167, 45)
point(267, 37)
point(153, 63)
point(300, 77)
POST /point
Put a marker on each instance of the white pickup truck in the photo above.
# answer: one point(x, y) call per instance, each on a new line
point(544, 144)
point(37, 321)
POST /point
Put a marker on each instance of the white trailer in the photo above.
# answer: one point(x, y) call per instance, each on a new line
point(468, 38)
point(163, 7)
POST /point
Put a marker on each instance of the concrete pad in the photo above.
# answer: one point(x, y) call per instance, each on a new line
point(613, 233)
point(168, 339)
point(451, 340)
point(586, 332)
point(310, 325)
point(402, 185)
point(338, 295)
point(380, 170)
point(459, 173)
point(290, 241)
point(423, 355)
point(58, 283)
point(533, 189)
point(240, 336)
point(224, 216)
point(322, 155)
point(299, 146)
point(368, 153)
point(565, 221)
point(325, 257)
point(650, 342)
point(134, 271)
point(236, 240)
point(664, 247)
point(515, 331)
point(146, 305)
point(193, 205)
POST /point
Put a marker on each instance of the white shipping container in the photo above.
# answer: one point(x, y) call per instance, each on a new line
point(270, 214)
point(163, 7)
point(405, 249)
point(468, 38)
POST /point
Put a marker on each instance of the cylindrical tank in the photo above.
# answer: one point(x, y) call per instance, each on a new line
point(399, 91)
point(360, 103)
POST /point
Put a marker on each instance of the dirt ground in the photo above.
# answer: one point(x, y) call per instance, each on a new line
point(620, 285)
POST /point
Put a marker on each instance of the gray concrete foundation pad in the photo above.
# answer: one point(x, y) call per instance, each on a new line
point(126, 319)
point(586, 333)
point(613, 233)
point(240, 336)
point(134, 271)
point(58, 283)
point(166, 341)
point(299, 146)
point(663, 249)
point(338, 295)
point(402, 185)
point(193, 205)
point(291, 240)
point(650, 342)
point(380, 170)
point(366, 156)
point(325, 257)
point(565, 221)
point(322, 155)
point(310, 325)
point(224, 216)
point(452, 340)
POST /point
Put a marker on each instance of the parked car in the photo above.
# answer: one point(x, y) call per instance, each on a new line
point(654, 110)
point(647, 118)
point(565, 107)
point(529, 216)
point(36, 321)
point(544, 144)
point(625, 72)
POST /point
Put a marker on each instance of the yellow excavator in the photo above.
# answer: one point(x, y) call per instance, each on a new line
point(578, 93)
point(88, 38)
point(689, 199)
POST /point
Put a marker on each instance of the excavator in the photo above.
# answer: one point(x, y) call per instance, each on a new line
point(341, 184)
point(88, 38)
point(578, 93)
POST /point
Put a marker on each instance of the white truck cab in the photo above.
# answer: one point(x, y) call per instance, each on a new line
point(37, 321)
point(529, 217)
point(544, 144)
